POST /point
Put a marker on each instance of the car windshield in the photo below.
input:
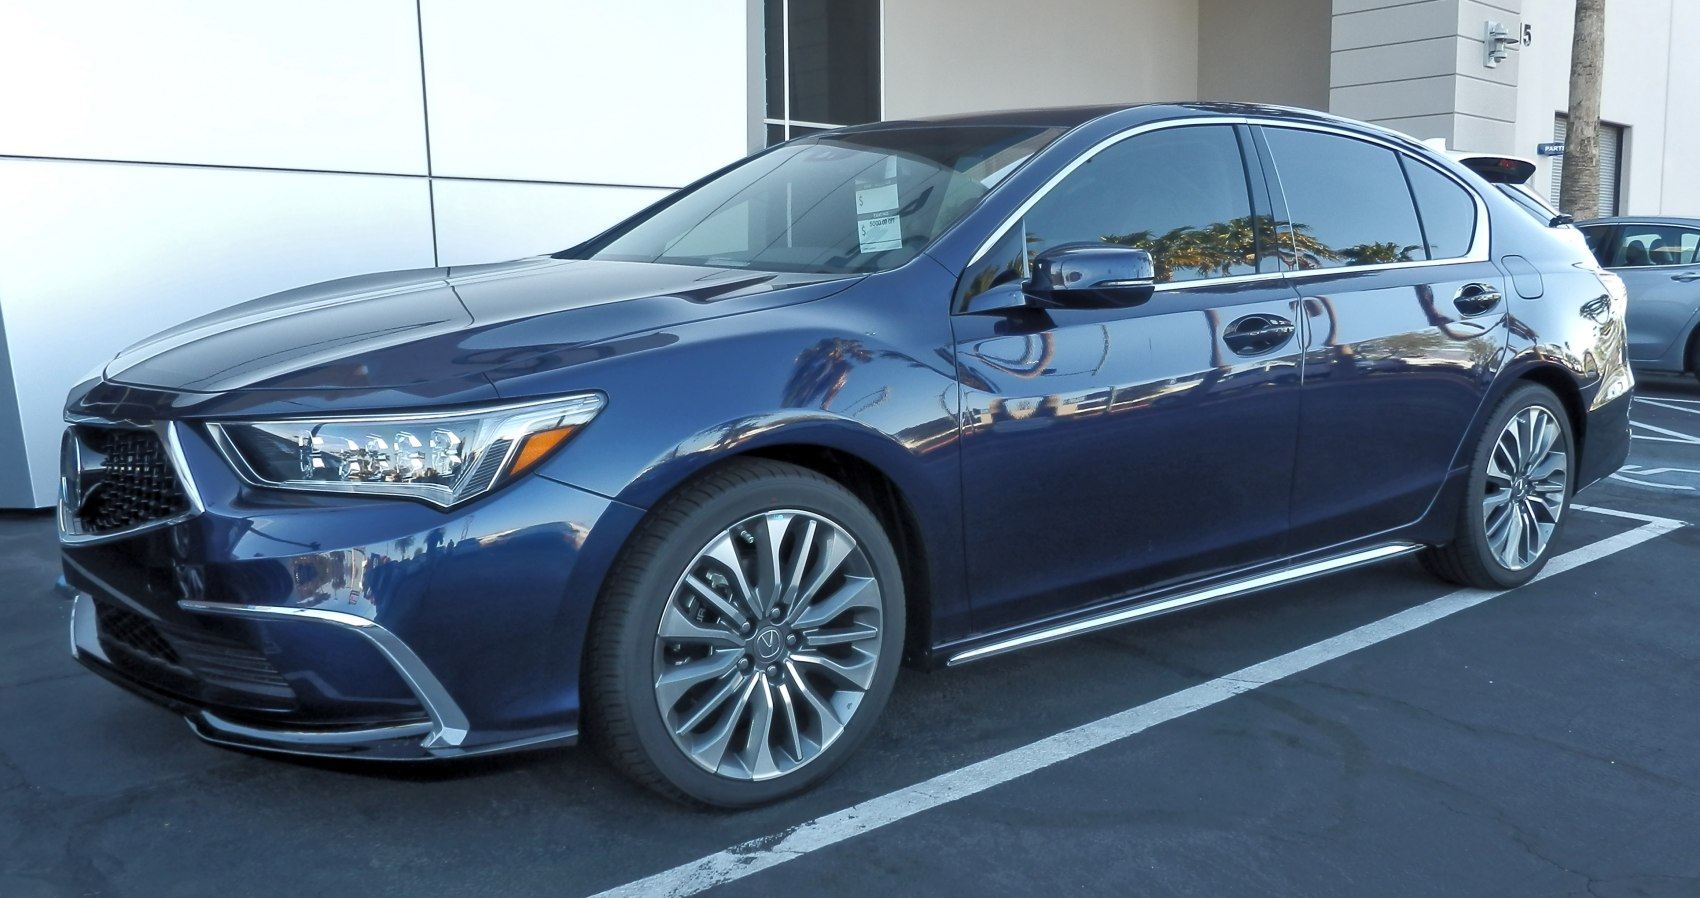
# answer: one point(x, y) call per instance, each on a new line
point(836, 203)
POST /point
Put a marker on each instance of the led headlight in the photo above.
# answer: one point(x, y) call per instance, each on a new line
point(444, 458)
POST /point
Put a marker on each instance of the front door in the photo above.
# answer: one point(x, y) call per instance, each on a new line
point(1112, 451)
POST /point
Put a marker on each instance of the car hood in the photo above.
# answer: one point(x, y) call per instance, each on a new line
point(401, 330)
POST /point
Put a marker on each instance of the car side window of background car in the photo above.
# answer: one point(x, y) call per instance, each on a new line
point(1179, 193)
point(1347, 200)
point(1640, 246)
point(1599, 243)
point(1444, 208)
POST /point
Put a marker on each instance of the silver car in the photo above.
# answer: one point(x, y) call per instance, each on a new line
point(1659, 261)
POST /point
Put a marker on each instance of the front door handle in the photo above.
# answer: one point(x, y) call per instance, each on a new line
point(1686, 276)
point(1258, 334)
point(1474, 299)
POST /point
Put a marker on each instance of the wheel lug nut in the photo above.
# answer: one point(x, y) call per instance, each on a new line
point(776, 614)
point(791, 639)
point(743, 664)
point(773, 670)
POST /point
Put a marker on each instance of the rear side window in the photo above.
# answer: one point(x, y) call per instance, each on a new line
point(1447, 211)
point(1347, 201)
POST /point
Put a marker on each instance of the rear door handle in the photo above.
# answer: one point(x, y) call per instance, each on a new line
point(1474, 299)
point(1686, 276)
point(1258, 334)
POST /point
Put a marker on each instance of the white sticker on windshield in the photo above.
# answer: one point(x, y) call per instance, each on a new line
point(879, 198)
point(880, 234)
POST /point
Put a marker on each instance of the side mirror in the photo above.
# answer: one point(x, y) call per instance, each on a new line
point(1093, 274)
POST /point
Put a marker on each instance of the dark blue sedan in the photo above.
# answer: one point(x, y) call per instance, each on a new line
point(923, 392)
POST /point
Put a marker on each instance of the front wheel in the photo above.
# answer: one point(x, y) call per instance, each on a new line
point(1518, 491)
point(748, 638)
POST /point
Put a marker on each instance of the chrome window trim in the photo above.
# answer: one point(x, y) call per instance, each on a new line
point(170, 436)
point(1479, 241)
point(449, 725)
point(1120, 616)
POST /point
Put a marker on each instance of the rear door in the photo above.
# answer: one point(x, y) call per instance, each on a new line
point(1406, 317)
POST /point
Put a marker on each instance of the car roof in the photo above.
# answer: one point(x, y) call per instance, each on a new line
point(1134, 113)
point(1642, 219)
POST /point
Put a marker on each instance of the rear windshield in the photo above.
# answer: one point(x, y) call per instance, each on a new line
point(831, 203)
point(1529, 202)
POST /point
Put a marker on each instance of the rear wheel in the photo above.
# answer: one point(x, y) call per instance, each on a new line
point(1518, 491)
point(748, 639)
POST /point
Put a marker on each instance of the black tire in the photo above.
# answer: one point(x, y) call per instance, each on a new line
point(1469, 559)
point(626, 657)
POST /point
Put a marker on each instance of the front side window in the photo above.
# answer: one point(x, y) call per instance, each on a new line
point(1179, 193)
point(1347, 200)
point(830, 204)
point(1641, 246)
point(1599, 243)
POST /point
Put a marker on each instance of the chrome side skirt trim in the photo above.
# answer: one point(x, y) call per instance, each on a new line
point(1148, 609)
point(449, 725)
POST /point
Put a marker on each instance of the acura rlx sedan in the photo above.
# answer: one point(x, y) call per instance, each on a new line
point(1658, 259)
point(923, 392)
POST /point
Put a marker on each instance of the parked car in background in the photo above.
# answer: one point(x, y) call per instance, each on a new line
point(1658, 259)
point(927, 390)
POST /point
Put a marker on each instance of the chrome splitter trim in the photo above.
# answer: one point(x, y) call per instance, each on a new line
point(1148, 609)
point(449, 725)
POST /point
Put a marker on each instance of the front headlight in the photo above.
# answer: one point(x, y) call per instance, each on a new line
point(444, 458)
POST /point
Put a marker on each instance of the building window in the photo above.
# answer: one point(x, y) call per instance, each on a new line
point(823, 65)
point(1611, 164)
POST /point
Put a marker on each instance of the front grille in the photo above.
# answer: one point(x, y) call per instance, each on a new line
point(192, 662)
point(134, 482)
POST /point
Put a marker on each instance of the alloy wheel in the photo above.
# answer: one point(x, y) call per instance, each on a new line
point(1528, 475)
point(768, 644)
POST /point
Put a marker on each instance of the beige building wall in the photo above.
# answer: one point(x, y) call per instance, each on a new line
point(1419, 68)
point(944, 56)
point(1264, 51)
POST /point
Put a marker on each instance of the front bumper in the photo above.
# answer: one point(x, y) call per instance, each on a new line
point(333, 626)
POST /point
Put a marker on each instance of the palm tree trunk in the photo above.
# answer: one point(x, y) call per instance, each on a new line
point(1579, 189)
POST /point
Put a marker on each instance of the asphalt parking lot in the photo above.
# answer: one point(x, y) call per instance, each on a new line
point(1374, 734)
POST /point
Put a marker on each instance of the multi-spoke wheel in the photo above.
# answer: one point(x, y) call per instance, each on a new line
point(748, 639)
point(1519, 488)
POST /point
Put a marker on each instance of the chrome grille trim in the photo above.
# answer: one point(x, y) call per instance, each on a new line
point(73, 464)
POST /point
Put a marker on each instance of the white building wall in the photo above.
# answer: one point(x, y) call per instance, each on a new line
point(1651, 67)
point(160, 160)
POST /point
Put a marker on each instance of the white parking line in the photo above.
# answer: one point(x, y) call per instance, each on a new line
point(756, 855)
point(1666, 400)
point(1680, 436)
